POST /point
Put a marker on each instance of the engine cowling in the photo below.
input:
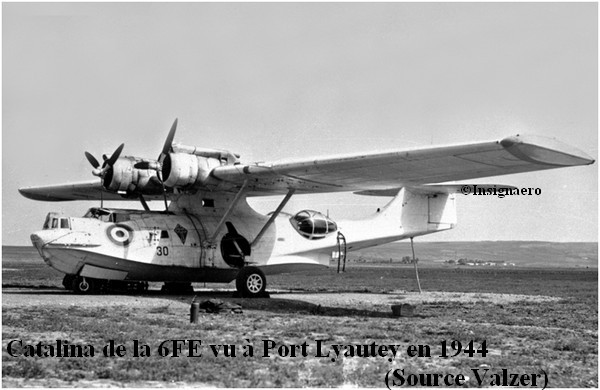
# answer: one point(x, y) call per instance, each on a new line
point(124, 177)
point(183, 170)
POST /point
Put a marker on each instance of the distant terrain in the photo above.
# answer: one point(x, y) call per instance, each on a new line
point(538, 254)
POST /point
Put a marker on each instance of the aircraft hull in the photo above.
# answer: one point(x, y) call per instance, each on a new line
point(74, 261)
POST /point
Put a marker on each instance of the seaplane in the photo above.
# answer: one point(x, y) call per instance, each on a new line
point(208, 232)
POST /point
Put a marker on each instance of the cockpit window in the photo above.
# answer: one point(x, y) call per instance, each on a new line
point(101, 214)
point(312, 224)
point(54, 221)
point(64, 223)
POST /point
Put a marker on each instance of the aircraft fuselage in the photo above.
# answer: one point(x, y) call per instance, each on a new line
point(196, 246)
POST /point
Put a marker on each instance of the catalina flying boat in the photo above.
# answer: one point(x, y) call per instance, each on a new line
point(207, 232)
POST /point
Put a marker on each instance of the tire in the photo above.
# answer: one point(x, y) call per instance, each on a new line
point(68, 281)
point(83, 285)
point(251, 282)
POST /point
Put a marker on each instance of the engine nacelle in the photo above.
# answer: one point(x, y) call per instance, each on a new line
point(124, 177)
point(182, 170)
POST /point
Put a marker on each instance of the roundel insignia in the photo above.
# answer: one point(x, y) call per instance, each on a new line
point(120, 234)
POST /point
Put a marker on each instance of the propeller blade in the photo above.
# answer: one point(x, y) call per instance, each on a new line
point(169, 141)
point(111, 161)
point(92, 160)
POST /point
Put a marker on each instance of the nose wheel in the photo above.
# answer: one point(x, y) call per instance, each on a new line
point(251, 282)
point(83, 285)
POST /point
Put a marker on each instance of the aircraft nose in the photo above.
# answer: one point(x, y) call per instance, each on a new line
point(38, 243)
point(41, 238)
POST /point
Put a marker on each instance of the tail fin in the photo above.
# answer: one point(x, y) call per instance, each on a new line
point(421, 211)
point(410, 213)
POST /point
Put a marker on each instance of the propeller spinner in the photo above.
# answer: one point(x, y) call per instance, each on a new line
point(108, 163)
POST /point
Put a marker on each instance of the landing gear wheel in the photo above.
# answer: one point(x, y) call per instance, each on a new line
point(68, 281)
point(83, 286)
point(251, 282)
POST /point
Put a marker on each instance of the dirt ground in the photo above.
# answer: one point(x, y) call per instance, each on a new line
point(531, 319)
point(20, 297)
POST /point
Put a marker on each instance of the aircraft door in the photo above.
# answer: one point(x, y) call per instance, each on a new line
point(200, 236)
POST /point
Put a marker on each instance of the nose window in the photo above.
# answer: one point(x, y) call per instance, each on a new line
point(312, 224)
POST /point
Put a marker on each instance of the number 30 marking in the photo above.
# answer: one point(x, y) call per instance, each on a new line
point(162, 251)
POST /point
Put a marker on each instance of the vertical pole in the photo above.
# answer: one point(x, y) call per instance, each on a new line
point(415, 263)
point(194, 310)
point(343, 241)
point(339, 248)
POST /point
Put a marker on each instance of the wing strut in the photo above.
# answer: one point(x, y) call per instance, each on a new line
point(144, 204)
point(274, 215)
point(237, 198)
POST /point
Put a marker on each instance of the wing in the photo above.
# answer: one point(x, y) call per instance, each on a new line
point(90, 190)
point(380, 171)
point(364, 173)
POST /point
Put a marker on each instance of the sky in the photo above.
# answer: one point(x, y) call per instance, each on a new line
point(277, 80)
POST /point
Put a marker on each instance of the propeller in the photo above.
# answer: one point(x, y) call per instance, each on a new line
point(108, 163)
point(167, 148)
point(100, 171)
point(157, 164)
